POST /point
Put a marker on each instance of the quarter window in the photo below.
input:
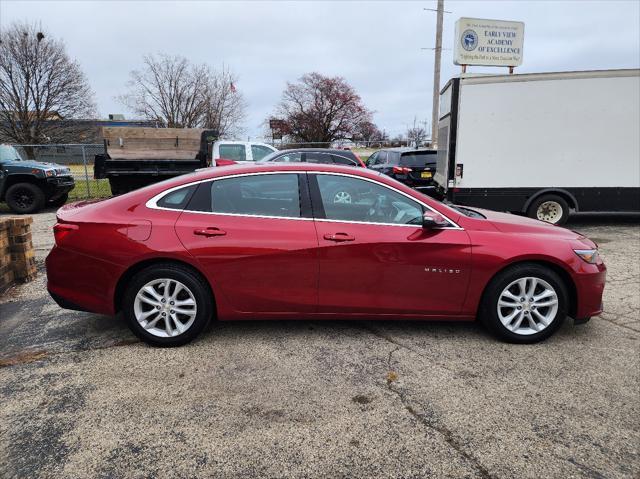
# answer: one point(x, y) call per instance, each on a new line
point(260, 195)
point(351, 199)
point(177, 200)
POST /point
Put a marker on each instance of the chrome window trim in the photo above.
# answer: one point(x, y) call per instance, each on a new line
point(152, 203)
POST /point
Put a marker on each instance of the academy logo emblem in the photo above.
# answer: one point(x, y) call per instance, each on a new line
point(469, 40)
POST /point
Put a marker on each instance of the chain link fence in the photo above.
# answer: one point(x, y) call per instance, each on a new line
point(79, 158)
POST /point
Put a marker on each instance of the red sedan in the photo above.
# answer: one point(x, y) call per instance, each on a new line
point(279, 241)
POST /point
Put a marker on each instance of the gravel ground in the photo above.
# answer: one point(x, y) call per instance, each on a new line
point(80, 397)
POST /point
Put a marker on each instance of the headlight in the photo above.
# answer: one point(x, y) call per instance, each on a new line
point(588, 255)
point(50, 172)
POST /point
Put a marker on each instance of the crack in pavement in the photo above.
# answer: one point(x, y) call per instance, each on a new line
point(445, 432)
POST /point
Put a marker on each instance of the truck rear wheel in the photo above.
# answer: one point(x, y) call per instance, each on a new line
point(25, 198)
point(553, 209)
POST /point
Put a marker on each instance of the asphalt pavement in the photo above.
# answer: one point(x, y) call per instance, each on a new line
point(81, 397)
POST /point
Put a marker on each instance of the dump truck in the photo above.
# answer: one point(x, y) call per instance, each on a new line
point(137, 157)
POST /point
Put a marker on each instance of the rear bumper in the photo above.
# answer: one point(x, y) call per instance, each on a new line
point(82, 283)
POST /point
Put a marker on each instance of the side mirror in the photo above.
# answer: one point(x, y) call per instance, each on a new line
point(431, 219)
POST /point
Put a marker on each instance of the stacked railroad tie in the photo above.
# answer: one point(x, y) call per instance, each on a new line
point(17, 257)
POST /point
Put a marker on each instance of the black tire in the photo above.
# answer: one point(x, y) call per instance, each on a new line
point(554, 203)
point(193, 281)
point(59, 201)
point(488, 313)
point(25, 198)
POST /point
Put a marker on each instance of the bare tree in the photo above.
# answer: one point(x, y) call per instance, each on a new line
point(171, 90)
point(321, 109)
point(225, 109)
point(418, 133)
point(41, 88)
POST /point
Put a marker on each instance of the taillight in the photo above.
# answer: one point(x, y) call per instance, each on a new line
point(224, 162)
point(401, 170)
point(62, 230)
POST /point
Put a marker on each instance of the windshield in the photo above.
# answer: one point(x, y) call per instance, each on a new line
point(418, 158)
point(9, 153)
point(270, 156)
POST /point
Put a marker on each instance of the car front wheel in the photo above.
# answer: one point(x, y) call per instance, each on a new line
point(167, 305)
point(25, 198)
point(524, 304)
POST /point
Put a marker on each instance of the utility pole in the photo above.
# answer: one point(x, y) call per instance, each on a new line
point(436, 76)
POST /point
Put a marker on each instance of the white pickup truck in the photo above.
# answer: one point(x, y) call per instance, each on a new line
point(228, 152)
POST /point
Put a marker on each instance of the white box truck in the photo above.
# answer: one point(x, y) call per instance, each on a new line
point(541, 144)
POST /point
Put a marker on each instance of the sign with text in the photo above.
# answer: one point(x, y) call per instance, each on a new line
point(488, 42)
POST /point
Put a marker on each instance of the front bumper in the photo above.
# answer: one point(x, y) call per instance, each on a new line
point(590, 283)
point(59, 185)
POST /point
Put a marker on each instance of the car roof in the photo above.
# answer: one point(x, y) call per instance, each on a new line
point(317, 150)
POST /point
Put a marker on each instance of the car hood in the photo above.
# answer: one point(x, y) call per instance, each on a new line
point(510, 223)
point(40, 165)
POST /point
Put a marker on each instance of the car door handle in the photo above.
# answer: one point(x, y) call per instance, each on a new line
point(208, 232)
point(339, 237)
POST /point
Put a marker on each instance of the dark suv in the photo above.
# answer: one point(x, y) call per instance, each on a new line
point(412, 167)
point(316, 155)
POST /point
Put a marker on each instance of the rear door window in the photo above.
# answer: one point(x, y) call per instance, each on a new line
point(257, 195)
point(233, 152)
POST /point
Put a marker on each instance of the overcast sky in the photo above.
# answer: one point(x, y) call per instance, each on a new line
point(376, 46)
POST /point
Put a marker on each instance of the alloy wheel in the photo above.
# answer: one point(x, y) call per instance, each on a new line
point(527, 306)
point(342, 197)
point(165, 307)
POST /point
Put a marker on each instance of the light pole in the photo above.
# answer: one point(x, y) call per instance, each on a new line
point(436, 76)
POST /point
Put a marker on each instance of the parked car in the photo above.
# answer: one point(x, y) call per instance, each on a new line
point(413, 167)
point(28, 186)
point(230, 152)
point(316, 155)
point(269, 240)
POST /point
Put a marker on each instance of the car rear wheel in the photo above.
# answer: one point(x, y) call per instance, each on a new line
point(550, 208)
point(524, 304)
point(25, 198)
point(167, 305)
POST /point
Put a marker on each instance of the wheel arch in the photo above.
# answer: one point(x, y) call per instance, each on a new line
point(12, 179)
point(559, 270)
point(568, 197)
point(124, 279)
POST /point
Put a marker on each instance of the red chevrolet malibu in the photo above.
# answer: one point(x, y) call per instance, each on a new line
point(312, 241)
